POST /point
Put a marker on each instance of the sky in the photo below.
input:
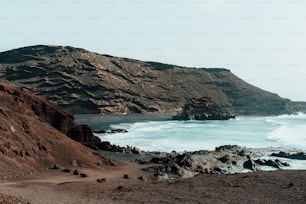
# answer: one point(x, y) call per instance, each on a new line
point(261, 41)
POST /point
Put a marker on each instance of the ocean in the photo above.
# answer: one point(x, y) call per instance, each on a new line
point(158, 133)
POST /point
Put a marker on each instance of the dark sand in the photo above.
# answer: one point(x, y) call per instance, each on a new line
point(54, 186)
point(103, 122)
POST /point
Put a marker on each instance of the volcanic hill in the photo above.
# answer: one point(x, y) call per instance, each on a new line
point(32, 135)
point(87, 82)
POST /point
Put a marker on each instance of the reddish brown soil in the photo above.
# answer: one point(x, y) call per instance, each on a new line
point(29, 140)
point(259, 187)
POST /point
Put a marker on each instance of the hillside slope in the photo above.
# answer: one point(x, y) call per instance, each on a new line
point(87, 82)
point(31, 135)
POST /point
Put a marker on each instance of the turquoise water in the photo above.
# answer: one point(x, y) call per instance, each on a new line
point(254, 132)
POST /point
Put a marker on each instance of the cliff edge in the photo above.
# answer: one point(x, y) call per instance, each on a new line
point(32, 135)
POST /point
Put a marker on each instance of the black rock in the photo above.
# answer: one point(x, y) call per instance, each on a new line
point(203, 109)
point(276, 163)
point(118, 131)
point(249, 164)
point(102, 180)
point(217, 169)
point(142, 178)
point(66, 170)
point(298, 156)
point(100, 131)
point(75, 172)
point(224, 159)
point(83, 175)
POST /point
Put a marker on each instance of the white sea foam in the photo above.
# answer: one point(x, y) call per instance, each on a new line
point(255, 132)
point(290, 135)
point(279, 132)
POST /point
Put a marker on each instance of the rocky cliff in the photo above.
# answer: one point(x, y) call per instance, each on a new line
point(87, 82)
point(31, 135)
point(203, 109)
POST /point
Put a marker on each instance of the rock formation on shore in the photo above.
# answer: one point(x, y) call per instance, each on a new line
point(32, 135)
point(203, 109)
point(87, 82)
point(228, 159)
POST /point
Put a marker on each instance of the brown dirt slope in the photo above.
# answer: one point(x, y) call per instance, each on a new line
point(29, 142)
point(276, 187)
point(87, 82)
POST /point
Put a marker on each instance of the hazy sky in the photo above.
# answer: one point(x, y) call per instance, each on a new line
point(261, 41)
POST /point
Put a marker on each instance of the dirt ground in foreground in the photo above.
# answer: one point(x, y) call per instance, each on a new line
point(54, 186)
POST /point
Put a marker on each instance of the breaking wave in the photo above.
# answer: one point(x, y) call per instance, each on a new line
point(254, 132)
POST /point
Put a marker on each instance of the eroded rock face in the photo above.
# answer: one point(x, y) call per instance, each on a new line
point(203, 109)
point(298, 155)
point(32, 135)
point(56, 116)
point(227, 159)
point(87, 82)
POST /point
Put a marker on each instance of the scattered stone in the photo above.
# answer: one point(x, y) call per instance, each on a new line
point(66, 170)
point(142, 178)
point(282, 163)
point(76, 172)
point(116, 148)
point(102, 180)
point(100, 131)
point(161, 177)
point(83, 175)
point(249, 164)
point(125, 176)
point(267, 163)
point(55, 167)
point(118, 131)
point(276, 163)
point(224, 159)
point(217, 169)
point(298, 156)
point(119, 187)
point(74, 163)
point(242, 153)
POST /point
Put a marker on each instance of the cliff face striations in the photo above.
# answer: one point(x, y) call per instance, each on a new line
point(87, 82)
point(31, 135)
point(203, 109)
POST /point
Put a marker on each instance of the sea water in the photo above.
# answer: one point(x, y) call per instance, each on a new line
point(162, 134)
point(253, 132)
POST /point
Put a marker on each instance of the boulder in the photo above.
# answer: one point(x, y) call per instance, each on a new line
point(225, 159)
point(299, 155)
point(249, 164)
point(203, 109)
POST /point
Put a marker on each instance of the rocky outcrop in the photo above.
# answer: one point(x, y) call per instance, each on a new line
point(298, 156)
point(87, 82)
point(203, 109)
point(228, 159)
point(56, 116)
point(31, 135)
